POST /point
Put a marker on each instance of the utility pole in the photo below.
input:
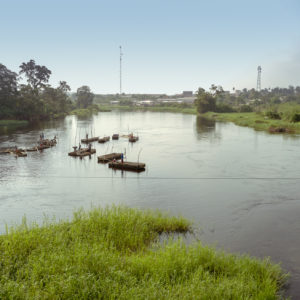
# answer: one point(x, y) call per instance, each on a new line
point(258, 86)
point(121, 54)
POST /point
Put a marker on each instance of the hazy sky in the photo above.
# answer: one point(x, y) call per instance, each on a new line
point(169, 45)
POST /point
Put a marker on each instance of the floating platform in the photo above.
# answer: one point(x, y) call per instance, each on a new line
point(115, 136)
point(82, 152)
point(8, 150)
point(133, 139)
point(109, 157)
point(127, 165)
point(42, 147)
point(45, 144)
point(20, 154)
point(92, 139)
point(104, 139)
point(32, 149)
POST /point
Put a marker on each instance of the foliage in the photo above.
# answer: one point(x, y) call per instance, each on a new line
point(8, 90)
point(84, 97)
point(33, 101)
point(114, 253)
point(205, 101)
point(224, 108)
point(273, 115)
point(245, 108)
point(13, 123)
point(295, 117)
point(37, 76)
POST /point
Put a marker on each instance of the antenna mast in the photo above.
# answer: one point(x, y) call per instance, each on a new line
point(258, 87)
point(121, 54)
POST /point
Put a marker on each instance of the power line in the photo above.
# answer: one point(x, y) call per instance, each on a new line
point(160, 178)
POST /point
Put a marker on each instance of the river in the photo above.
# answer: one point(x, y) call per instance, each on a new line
point(241, 187)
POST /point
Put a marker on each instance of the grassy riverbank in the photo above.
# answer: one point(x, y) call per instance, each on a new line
point(157, 108)
point(13, 122)
point(86, 112)
point(255, 120)
point(112, 254)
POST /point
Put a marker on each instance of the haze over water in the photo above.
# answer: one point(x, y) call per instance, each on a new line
point(241, 187)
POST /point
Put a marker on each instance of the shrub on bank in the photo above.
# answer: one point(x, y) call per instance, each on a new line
point(224, 108)
point(295, 117)
point(271, 114)
point(245, 108)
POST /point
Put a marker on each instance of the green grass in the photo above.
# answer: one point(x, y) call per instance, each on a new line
point(13, 122)
point(83, 112)
point(258, 121)
point(114, 253)
point(170, 108)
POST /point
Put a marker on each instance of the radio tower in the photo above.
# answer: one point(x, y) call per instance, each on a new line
point(258, 87)
point(121, 54)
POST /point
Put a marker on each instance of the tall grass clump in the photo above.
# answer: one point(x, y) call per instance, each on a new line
point(114, 253)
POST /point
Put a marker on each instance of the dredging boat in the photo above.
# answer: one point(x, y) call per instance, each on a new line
point(32, 149)
point(90, 140)
point(82, 152)
point(21, 154)
point(109, 157)
point(46, 143)
point(104, 139)
point(133, 139)
point(128, 166)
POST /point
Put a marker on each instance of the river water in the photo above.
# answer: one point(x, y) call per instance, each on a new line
point(239, 186)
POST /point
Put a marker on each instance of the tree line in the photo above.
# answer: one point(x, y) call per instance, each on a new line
point(37, 100)
point(217, 100)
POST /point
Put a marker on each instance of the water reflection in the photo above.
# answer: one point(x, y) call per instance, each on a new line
point(206, 129)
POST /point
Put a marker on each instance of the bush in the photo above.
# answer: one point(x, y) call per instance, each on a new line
point(273, 115)
point(295, 117)
point(245, 108)
point(224, 108)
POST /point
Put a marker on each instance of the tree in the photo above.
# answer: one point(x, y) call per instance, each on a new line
point(56, 100)
point(64, 87)
point(29, 106)
point(84, 97)
point(205, 101)
point(8, 82)
point(8, 90)
point(37, 76)
point(216, 90)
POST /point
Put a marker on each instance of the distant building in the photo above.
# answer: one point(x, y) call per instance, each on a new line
point(187, 94)
point(144, 103)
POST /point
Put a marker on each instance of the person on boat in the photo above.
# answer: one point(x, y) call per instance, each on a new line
point(79, 147)
point(122, 157)
point(90, 147)
point(87, 136)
